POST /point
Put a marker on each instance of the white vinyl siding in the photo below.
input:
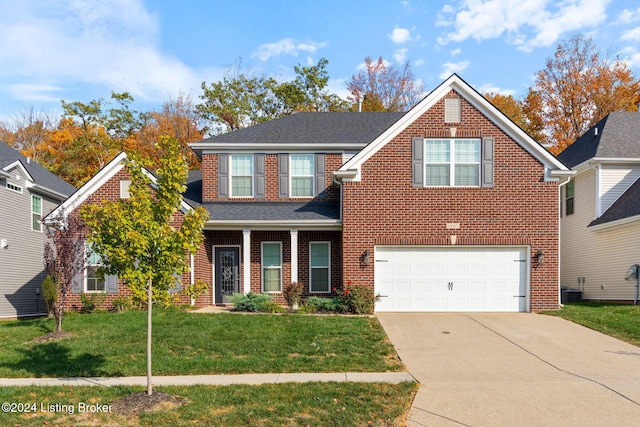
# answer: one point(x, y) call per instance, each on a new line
point(613, 182)
point(241, 176)
point(320, 267)
point(36, 213)
point(302, 173)
point(271, 267)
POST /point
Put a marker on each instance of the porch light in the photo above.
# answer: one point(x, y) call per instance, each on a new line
point(539, 257)
point(365, 258)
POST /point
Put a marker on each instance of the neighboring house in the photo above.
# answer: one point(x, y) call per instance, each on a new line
point(28, 192)
point(449, 207)
point(601, 209)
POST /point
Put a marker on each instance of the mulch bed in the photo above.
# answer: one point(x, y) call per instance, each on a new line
point(139, 403)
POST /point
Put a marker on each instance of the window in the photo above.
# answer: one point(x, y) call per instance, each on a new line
point(452, 162)
point(94, 281)
point(124, 188)
point(241, 176)
point(36, 213)
point(569, 192)
point(302, 175)
point(14, 187)
point(271, 267)
point(320, 266)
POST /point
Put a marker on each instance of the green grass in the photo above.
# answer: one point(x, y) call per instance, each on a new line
point(314, 404)
point(114, 344)
point(619, 321)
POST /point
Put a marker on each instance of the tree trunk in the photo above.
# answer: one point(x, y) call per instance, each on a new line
point(149, 308)
point(58, 310)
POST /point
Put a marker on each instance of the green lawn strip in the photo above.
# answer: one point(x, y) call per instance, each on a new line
point(314, 404)
point(113, 344)
point(619, 321)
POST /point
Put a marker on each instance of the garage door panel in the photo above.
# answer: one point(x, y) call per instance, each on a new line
point(450, 279)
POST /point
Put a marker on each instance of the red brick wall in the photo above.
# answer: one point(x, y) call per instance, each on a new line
point(521, 209)
point(210, 179)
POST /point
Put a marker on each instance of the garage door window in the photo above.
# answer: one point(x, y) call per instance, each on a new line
point(320, 266)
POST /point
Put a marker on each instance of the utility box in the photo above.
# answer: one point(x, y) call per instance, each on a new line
point(568, 295)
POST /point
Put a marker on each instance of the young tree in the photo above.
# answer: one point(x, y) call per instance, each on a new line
point(385, 87)
point(141, 239)
point(578, 87)
point(64, 259)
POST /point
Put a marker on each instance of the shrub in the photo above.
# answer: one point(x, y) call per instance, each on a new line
point(322, 305)
point(121, 303)
point(49, 293)
point(196, 289)
point(272, 307)
point(357, 299)
point(90, 301)
point(292, 294)
point(251, 302)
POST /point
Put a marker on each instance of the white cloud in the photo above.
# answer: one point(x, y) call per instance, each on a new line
point(627, 16)
point(49, 47)
point(400, 35)
point(453, 67)
point(455, 52)
point(526, 23)
point(632, 35)
point(491, 88)
point(287, 46)
point(400, 55)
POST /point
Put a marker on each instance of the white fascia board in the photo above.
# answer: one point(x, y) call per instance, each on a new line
point(474, 98)
point(84, 192)
point(5, 173)
point(615, 223)
point(47, 192)
point(274, 225)
point(18, 164)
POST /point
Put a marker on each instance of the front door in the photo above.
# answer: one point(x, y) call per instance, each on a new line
point(227, 261)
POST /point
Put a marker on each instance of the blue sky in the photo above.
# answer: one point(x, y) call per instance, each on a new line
point(79, 50)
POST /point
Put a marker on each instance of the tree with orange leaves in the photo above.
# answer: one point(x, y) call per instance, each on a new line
point(577, 88)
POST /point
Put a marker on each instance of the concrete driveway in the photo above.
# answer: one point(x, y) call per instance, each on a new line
point(520, 369)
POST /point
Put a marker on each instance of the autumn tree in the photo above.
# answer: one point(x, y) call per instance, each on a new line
point(518, 112)
point(385, 87)
point(141, 239)
point(27, 131)
point(578, 87)
point(64, 259)
point(178, 119)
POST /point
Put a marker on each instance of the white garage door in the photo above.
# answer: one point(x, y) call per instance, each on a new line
point(451, 279)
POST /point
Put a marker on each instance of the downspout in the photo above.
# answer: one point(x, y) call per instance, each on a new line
point(560, 185)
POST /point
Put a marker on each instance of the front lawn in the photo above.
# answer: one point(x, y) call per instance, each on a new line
point(113, 344)
point(619, 321)
point(312, 404)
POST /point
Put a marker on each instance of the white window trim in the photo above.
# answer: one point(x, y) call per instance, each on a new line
point(313, 175)
point(328, 267)
point(253, 190)
point(33, 196)
point(85, 280)
point(452, 162)
point(262, 267)
point(14, 187)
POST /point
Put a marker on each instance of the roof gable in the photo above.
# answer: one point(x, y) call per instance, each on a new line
point(94, 184)
point(627, 206)
point(350, 170)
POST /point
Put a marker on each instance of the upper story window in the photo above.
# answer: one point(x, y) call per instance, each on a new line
point(452, 162)
point(36, 213)
point(302, 173)
point(241, 175)
point(94, 282)
point(569, 195)
point(14, 187)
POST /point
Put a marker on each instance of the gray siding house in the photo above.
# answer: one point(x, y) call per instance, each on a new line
point(28, 192)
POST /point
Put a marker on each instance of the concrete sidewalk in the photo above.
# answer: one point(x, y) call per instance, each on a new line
point(186, 380)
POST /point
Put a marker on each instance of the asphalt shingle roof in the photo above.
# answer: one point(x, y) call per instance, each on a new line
point(273, 211)
point(40, 175)
point(327, 128)
point(628, 205)
point(615, 136)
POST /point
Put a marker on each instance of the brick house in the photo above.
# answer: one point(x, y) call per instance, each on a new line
point(448, 207)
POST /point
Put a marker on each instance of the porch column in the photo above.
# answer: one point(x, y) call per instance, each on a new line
point(246, 261)
point(294, 255)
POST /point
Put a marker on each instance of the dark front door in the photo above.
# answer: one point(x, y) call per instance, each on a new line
point(227, 273)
